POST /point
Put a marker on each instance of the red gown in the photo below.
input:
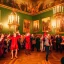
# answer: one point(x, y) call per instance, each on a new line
point(45, 34)
point(27, 44)
point(14, 44)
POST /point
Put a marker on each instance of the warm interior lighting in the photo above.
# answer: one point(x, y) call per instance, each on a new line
point(46, 19)
point(5, 25)
point(53, 23)
point(36, 25)
point(58, 8)
point(13, 20)
point(58, 12)
point(58, 20)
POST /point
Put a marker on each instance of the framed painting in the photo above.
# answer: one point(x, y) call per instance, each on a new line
point(26, 26)
point(36, 25)
point(62, 26)
point(59, 20)
point(46, 24)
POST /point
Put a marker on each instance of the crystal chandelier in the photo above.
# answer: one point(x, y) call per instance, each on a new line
point(13, 20)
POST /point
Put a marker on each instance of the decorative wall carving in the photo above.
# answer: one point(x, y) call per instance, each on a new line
point(31, 6)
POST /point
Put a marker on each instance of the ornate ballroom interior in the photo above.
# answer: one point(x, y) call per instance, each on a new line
point(35, 17)
point(36, 9)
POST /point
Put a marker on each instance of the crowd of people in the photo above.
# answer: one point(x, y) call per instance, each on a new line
point(29, 42)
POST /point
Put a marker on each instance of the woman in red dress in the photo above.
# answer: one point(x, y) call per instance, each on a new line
point(14, 44)
point(27, 43)
point(1, 45)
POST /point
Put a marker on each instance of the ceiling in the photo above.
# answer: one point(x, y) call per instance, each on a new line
point(31, 6)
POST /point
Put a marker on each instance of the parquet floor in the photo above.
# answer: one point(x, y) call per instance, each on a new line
point(34, 58)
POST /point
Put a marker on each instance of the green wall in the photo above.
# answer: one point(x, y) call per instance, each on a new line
point(5, 12)
point(22, 17)
point(40, 16)
point(4, 20)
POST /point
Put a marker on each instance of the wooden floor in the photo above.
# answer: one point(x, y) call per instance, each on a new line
point(34, 58)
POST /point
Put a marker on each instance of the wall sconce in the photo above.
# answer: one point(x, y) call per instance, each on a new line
point(58, 8)
point(58, 14)
point(13, 21)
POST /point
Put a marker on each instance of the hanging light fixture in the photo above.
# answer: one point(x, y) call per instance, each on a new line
point(13, 20)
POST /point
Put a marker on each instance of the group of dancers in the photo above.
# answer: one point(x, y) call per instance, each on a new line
point(14, 43)
point(42, 43)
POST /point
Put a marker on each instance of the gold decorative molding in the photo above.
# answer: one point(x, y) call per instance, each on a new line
point(48, 9)
point(10, 8)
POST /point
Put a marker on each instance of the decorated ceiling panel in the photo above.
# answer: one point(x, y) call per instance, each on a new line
point(31, 6)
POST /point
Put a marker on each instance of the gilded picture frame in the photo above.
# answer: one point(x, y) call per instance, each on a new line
point(35, 25)
point(46, 24)
point(59, 18)
point(26, 26)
